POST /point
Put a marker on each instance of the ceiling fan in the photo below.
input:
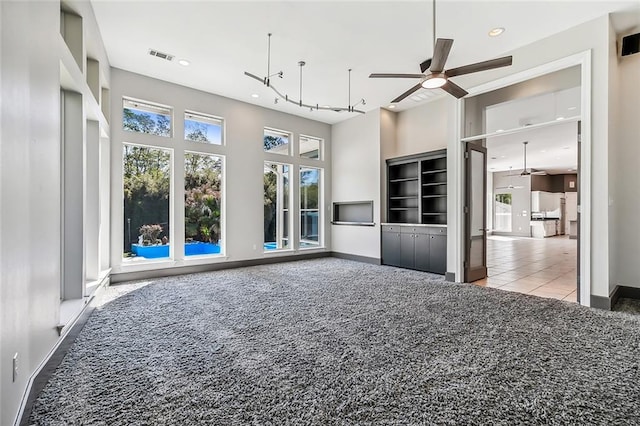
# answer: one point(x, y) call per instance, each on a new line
point(525, 171)
point(511, 185)
point(437, 76)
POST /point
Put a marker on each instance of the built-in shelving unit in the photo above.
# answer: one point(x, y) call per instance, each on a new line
point(84, 103)
point(415, 235)
point(417, 189)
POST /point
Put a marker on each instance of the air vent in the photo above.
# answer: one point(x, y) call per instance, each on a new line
point(161, 55)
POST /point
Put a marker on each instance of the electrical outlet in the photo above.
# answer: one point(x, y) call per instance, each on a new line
point(15, 367)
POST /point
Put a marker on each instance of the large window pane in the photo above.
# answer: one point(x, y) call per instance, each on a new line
point(145, 117)
point(276, 206)
point(310, 147)
point(147, 175)
point(276, 142)
point(202, 204)
point(503, 213)
point(309, 207)
point(202, 128)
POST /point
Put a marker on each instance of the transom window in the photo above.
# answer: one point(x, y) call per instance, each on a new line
point(145, 117)
point(310, 147)
point(276, 141)
point(199, 127)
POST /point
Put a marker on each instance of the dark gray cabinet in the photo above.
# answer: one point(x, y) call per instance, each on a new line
point(391, 246)
point(415, 247)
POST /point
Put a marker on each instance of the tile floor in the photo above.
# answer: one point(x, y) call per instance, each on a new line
point(542, 267)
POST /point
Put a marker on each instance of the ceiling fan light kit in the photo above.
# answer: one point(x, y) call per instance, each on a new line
point(433, 74)
point(267, 82)
point(434, 81)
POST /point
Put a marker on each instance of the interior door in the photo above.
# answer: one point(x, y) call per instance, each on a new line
point(475, 262)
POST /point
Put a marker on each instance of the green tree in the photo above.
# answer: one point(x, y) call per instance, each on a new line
point(146, 184)
point(202, 197)
point(270, 142)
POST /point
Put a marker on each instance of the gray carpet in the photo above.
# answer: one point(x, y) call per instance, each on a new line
point(330, 341)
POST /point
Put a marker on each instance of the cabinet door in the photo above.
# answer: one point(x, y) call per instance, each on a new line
point(391, 248)
point(422, 252)
point(438, 253)
point(407, 250)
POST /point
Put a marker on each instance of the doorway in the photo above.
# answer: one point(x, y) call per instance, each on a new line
point(512, 257)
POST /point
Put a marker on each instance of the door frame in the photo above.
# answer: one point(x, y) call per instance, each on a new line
point(456, 216)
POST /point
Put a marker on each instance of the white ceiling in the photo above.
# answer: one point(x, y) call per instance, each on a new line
point(222, 39)
point(553, 149)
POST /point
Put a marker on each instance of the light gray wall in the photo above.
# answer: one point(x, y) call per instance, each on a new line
point(29, 192)
point(355, 162)
point(625, 196)
point(425, 128)
point(243, 150)
point(31, 52)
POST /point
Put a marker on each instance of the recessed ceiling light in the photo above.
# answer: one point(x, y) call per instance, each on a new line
point(544, 150)
point(503, 156)
point(184, 62)
point(566, 147)
point(495, 32)
point(559, 118)
point(255, 95)
point(499, 130)
point(391, 106)
point(571, 108)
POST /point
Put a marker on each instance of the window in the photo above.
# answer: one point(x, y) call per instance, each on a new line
point(502, 209)
point(276, 206)
point(148, 118)
point(202, 128)
point(309, 207)
point(310, 147)
point(276, 142)
point(202, 204)
point(147, 182)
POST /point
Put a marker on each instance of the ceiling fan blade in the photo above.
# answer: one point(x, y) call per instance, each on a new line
point(454, 89)
point(407, 93)
point(440, 54)
point(425, 65)
point(480, 66)
point(538, 172)
point(396, 75)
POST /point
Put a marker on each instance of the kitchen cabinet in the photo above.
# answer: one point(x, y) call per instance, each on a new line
point(423, 248)
point(544, 228)
point(542, 201)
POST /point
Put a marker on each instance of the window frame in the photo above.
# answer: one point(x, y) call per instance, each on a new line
point(212, 118)
point(290, 209)
point(278, 132)
point(152, 108)
point(320, 208)
point(320, 148)
point(223, 244)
